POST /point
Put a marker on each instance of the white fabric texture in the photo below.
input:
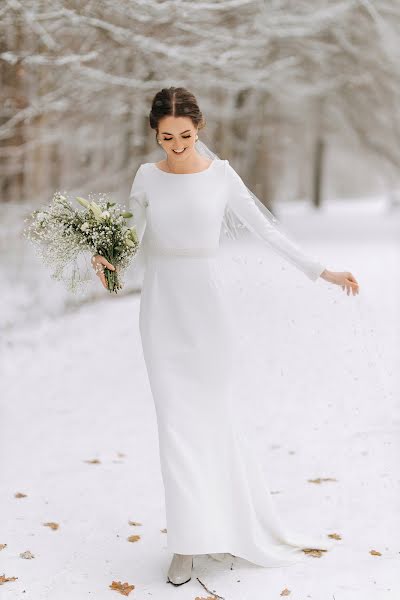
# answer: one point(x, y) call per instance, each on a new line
point(216, 496)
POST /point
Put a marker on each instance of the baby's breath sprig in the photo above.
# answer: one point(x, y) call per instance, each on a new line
point(61, 233)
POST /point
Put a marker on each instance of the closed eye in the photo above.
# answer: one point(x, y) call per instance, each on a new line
point(184, 137)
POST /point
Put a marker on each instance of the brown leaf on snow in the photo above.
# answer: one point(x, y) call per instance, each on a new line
point(321, 479)
point(26, 554)
point(121, 454)
point(4, 579)
point(317, 552)
point(133, 538)
point(335, 536)
point(92, 461)
point(123, 588)
point(163, 530)
point(375, 553)
point(202, 598)
point(133, 523)
point(285, 592)
point(2, 546)
point(20, 495)
point(52, 525)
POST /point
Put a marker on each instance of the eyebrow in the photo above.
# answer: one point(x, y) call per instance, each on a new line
point(168, 133)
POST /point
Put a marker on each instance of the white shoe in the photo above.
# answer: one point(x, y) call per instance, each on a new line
point(180, 569)
point(221, 556)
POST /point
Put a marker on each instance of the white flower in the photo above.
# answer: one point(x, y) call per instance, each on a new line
point(105, 214)
point(96, 210)
point(85, 226)
point(83, 202)
point(132, 234)
point(40, 217)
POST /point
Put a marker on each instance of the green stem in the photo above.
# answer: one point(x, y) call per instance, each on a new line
point(111, 276)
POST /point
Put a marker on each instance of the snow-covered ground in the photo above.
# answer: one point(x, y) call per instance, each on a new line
point(317, 387)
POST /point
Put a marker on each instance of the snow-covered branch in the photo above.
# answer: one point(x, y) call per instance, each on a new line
point(257, 68)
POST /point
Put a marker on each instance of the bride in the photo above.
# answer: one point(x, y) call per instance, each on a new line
point(217, 501)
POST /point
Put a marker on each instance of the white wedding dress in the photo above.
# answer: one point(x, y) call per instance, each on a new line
point(216, 497)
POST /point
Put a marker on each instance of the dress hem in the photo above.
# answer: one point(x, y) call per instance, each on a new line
point(295, 552)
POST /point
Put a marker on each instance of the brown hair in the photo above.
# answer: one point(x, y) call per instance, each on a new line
point(176, 102)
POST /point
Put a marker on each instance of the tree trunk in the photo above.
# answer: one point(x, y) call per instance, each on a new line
point(318, 172)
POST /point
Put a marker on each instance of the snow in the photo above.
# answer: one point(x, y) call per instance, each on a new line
point(322, 403)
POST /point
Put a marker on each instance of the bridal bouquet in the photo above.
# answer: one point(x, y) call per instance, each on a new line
point(61, 233)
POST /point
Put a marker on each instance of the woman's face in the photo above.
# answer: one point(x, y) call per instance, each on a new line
point(177, 136)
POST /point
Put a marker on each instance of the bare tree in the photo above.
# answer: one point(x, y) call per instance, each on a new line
point(276, 80)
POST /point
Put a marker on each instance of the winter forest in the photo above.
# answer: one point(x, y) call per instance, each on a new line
point(302, 89)
point(303, 98)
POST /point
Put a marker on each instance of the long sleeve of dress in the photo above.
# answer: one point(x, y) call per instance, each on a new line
point(138, 202)
point(242, 203)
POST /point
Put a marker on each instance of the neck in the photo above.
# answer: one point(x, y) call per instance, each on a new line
point(190, 164)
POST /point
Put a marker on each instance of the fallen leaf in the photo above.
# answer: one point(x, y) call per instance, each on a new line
point(133, 538)
point(317, 552)
point(321, 479)
point(2, 546)
point(133, 523)
point(285, 592)
point(4, 579)
point(202, 598)
point(335, 536)
point(123, 588)
point(26, 554)
point(375, 553)
point(121, 454)
point(93, 461)
point(163, 530)
point(20, 495)
point(52, 525)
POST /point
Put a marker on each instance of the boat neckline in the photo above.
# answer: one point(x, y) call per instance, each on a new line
point(195, 173)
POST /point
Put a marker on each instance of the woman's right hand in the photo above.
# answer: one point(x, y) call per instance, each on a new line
point(98, 264)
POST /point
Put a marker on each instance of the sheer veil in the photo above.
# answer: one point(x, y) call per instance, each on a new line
point(364, 337)
point(232, 226)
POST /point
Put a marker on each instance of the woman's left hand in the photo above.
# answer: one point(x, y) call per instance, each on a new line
point(343, 278)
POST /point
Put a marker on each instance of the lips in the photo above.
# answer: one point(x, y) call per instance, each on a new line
point(179, 152)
